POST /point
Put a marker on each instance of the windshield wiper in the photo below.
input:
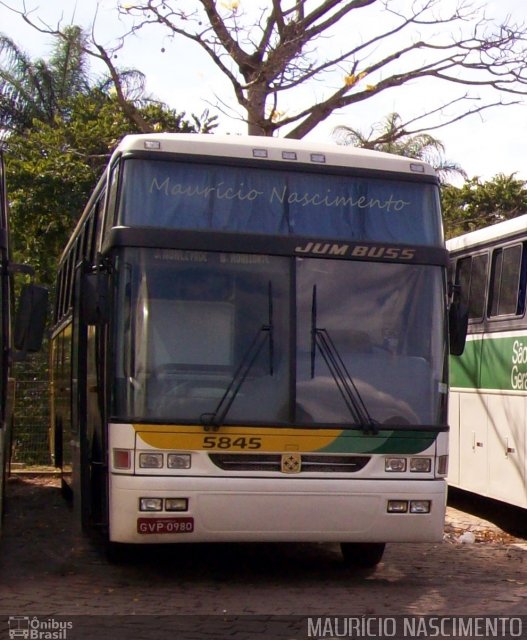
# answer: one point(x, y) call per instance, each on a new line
point(348, 390)
point(215, 419)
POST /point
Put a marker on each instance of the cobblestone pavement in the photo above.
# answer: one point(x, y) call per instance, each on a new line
point(48, 568)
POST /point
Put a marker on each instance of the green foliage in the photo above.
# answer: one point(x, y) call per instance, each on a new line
point(52, 168)
point(479, 204)
point(391, 136)
point(37, 89)
point(60, 126)
point(59, 131)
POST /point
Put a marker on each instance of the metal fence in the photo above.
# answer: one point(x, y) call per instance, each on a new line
point(30, 435)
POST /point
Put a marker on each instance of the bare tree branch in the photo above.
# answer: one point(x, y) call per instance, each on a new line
point(94, 49)
point(355, 50)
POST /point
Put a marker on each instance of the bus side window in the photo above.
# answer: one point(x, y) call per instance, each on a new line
point(57, 313)
point(523, 282)
point(85, 239)
point(61, 294)
point(112, 199)
point(471, 276)
point(97, 215)
point(88, 238)
point(69, 282)
point(505, 281)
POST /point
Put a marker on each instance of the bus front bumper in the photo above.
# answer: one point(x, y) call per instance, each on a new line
point(274, 509)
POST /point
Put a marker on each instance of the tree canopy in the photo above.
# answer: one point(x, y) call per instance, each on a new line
point(60, 125)
point(39, 89)
point(478, 203)
point(391, 136)
point(349, 51)
point(53, 166)
point(292, 63)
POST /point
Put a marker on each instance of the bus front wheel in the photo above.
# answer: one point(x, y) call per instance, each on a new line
point(364, 555)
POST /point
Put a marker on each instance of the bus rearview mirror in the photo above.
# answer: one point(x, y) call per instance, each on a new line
point(94, 296)
point(458, 326)
point(30, 318)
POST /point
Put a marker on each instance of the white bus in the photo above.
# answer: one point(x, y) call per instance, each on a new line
point(250, 344)
point(488, 399)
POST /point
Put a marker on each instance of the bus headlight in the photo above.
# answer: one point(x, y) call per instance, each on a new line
point(178, 461)
point(150, 504)
point(397, 506)
point(420, 506)
point(150, 460)
point(176, 504)
point(395, 465)
point(420, 465)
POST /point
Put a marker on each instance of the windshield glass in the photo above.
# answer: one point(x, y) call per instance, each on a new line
point(384, 323)
point(181, 195)
point(214, 338)
point(188, 321)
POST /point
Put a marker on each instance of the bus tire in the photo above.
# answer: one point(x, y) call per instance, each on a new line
point(364, 555)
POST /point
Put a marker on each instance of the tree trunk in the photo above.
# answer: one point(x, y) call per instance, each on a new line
point(257, 124)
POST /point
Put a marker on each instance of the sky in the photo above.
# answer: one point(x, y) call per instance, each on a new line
point(185, 79)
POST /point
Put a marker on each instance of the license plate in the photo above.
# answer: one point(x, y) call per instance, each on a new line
point(165, 525)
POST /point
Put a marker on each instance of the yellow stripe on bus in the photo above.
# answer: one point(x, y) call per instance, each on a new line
point(234, 438)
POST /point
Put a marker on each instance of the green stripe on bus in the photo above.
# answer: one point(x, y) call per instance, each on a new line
point(491, 363)
point(396, 442)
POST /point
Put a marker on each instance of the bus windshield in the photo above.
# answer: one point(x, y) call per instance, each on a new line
point(169, 194)
point(214, 338)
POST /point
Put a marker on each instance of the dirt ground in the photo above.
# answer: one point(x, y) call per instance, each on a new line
point(248, 592)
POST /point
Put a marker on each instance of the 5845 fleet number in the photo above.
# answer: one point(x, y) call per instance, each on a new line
point(228, 442)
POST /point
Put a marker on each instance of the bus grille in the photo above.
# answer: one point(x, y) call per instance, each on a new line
point(272, 462)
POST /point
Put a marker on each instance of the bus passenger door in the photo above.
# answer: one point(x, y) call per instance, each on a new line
point(62, 437)
point(96, 466)
point(88, 366)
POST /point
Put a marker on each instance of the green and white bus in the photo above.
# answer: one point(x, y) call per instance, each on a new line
point(488, 396)
point(250, 344)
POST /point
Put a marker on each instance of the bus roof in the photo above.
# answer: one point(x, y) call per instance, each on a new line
point(505, 229)
point(274, 149)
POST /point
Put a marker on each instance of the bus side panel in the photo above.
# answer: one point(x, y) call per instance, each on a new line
point(473, 445)
point(61, 427)
point(453, 457)
point(491, 412)
point(468, 419)
point(506, 447)
point(504, 375)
